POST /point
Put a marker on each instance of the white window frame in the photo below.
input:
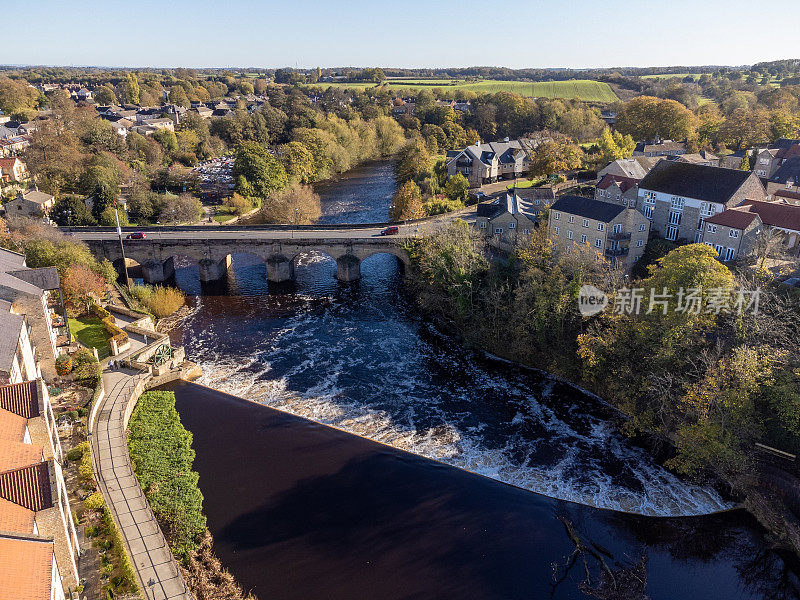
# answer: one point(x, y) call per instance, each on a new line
point(677, 203)
point(586, 222)
point(583, 238)
point(734, 233)
point(639, 243)
point(556, 216)
point(647, 211)
point(483, 224)
point(730, 254)
point(712, 228)
point(598, 243)
point(512, 225)
point(571, 219)
point(569, 234)
point(642, 227)
point(498, 230)
point(672, 233)
point(555, 230)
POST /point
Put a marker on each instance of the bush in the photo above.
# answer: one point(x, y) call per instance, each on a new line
point(83, 357)
point(63, 364)
point(78, 451)
point(162, 456)
point(161, 301)
point(89, 373)
point(85, 471)
point(94, 502)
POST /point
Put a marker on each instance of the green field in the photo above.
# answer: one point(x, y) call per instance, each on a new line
point(91, 333)
point(694, 76)
point(582, 89)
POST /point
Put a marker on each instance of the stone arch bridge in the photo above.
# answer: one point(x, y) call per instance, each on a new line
point(212, 248)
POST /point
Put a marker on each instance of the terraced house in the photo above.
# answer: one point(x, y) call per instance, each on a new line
point(487, 163)
point(613, 231)
point(678, 197)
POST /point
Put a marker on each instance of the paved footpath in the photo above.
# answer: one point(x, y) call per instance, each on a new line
point(156, 569)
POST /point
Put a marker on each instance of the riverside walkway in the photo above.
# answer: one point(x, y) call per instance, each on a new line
point(156, 569)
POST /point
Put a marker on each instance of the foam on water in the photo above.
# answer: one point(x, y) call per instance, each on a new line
point(430, 397)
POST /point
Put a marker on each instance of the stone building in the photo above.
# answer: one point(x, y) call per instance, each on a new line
point(677, 197)
point(614, 232)
point(733, 233)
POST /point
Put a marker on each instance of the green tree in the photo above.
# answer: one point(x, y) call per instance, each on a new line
point(555, 156)
point(255, 167)
point(457, 188)
point(72, 211)
point(105, 95)
point(647, 117)
point(298, 162)
point(130, 88)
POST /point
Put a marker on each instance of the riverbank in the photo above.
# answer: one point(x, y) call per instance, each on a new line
point(526, 312)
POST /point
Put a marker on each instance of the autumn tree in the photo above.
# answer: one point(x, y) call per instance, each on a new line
point(614, 146)
point(648, 118)
point(184, 208)
point(407, 203)
point(297, 204)
point(130, 89)
point(555, 156)
point(79, 285)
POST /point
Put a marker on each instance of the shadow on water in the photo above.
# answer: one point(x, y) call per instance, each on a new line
point(299, 510)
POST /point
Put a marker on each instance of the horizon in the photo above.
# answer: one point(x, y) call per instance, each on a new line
point(579, 36)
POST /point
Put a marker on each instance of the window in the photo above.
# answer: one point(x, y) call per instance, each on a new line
point(586, 222)
point(601, 193)
point(641, 227)
point(639, 243)
point(729, 254)
point(672, 233)
point(556, 215)
point(707, 209)
point(649, 197)
point(526, 231)
point(712, 228)
point(569, 235)
point(762, 161)
point(647, 211)
point(598, 243)
point(483, 224)
point(734, 233)
point(675, 218)
point(718, 248)
point(617, 197)
point(536, 202)
point(761, 173)
point(601, 226)
point(571, 219)
point(632, 202)
point(583, 239)
point(498, 230)
point(676, 203)
point(555, 230)
point(617, 228)
point(512, 225)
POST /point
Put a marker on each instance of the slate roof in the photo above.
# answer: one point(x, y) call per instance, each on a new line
point(37, 197)
point(665, 146)
point(504, 151)
point(588, 208)
point(788, 171)
point(628, 167)
point(545, 193)
point(734, 217)
point(26, 569)
point(624, 183)
point(709, 184)
point(10, 325)
point(775, 214)
point(21, 399)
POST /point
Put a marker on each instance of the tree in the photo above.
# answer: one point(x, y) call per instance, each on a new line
point(177, 95)
point(181, 209)
point(130, 89)
point(414, 162)
point(257, 171)
point(297, 204)
point(457, 188)
point(555, 156)
point(79, 285)
point(298, 162)
point(238, 204)
point(647, 118)
point(105, 95)
point(407, 203)
point(614, 146)
point(72, 211)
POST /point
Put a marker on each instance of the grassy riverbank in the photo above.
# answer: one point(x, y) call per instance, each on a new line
point(162, 457)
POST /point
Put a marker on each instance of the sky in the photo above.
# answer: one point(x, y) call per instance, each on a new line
point(411, 33)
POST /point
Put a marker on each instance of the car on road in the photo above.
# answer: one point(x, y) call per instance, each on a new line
point(136, 235)
point(392, 230)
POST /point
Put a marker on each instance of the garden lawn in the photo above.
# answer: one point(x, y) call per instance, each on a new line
point(91, 333)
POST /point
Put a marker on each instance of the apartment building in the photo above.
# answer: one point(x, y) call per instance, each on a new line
point(615, 232)
point(678, 197)
point(490, 162)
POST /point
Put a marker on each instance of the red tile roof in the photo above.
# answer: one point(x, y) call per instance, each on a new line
point(776, 214)
point(21, 399)
point(625, 183)
point(15, 518)
point(26, 571)
point(12, 427)
point(28, 486)
point(734, 217)
point(14, 455)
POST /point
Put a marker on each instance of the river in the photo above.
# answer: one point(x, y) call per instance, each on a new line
point(297, 508)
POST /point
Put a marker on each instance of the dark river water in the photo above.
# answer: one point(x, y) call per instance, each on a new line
point(300, 510)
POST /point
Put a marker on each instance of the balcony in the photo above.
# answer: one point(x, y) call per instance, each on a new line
point(616, 251)
point(619, 235)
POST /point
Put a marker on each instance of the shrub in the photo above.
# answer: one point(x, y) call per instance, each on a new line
point(161, 301)
point(162, 456)
point(83, 357)
point(78, 451)
point(94, 502)
point(85, 471)
point(88, 374)
point(141, 293)
point(63, 364)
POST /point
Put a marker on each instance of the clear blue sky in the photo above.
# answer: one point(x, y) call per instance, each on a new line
point(409, 33)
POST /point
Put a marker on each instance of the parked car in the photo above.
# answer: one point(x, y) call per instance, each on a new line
point(392, 230)
point(136, 235)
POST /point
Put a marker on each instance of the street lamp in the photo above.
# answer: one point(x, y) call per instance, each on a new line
point(122, 249)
